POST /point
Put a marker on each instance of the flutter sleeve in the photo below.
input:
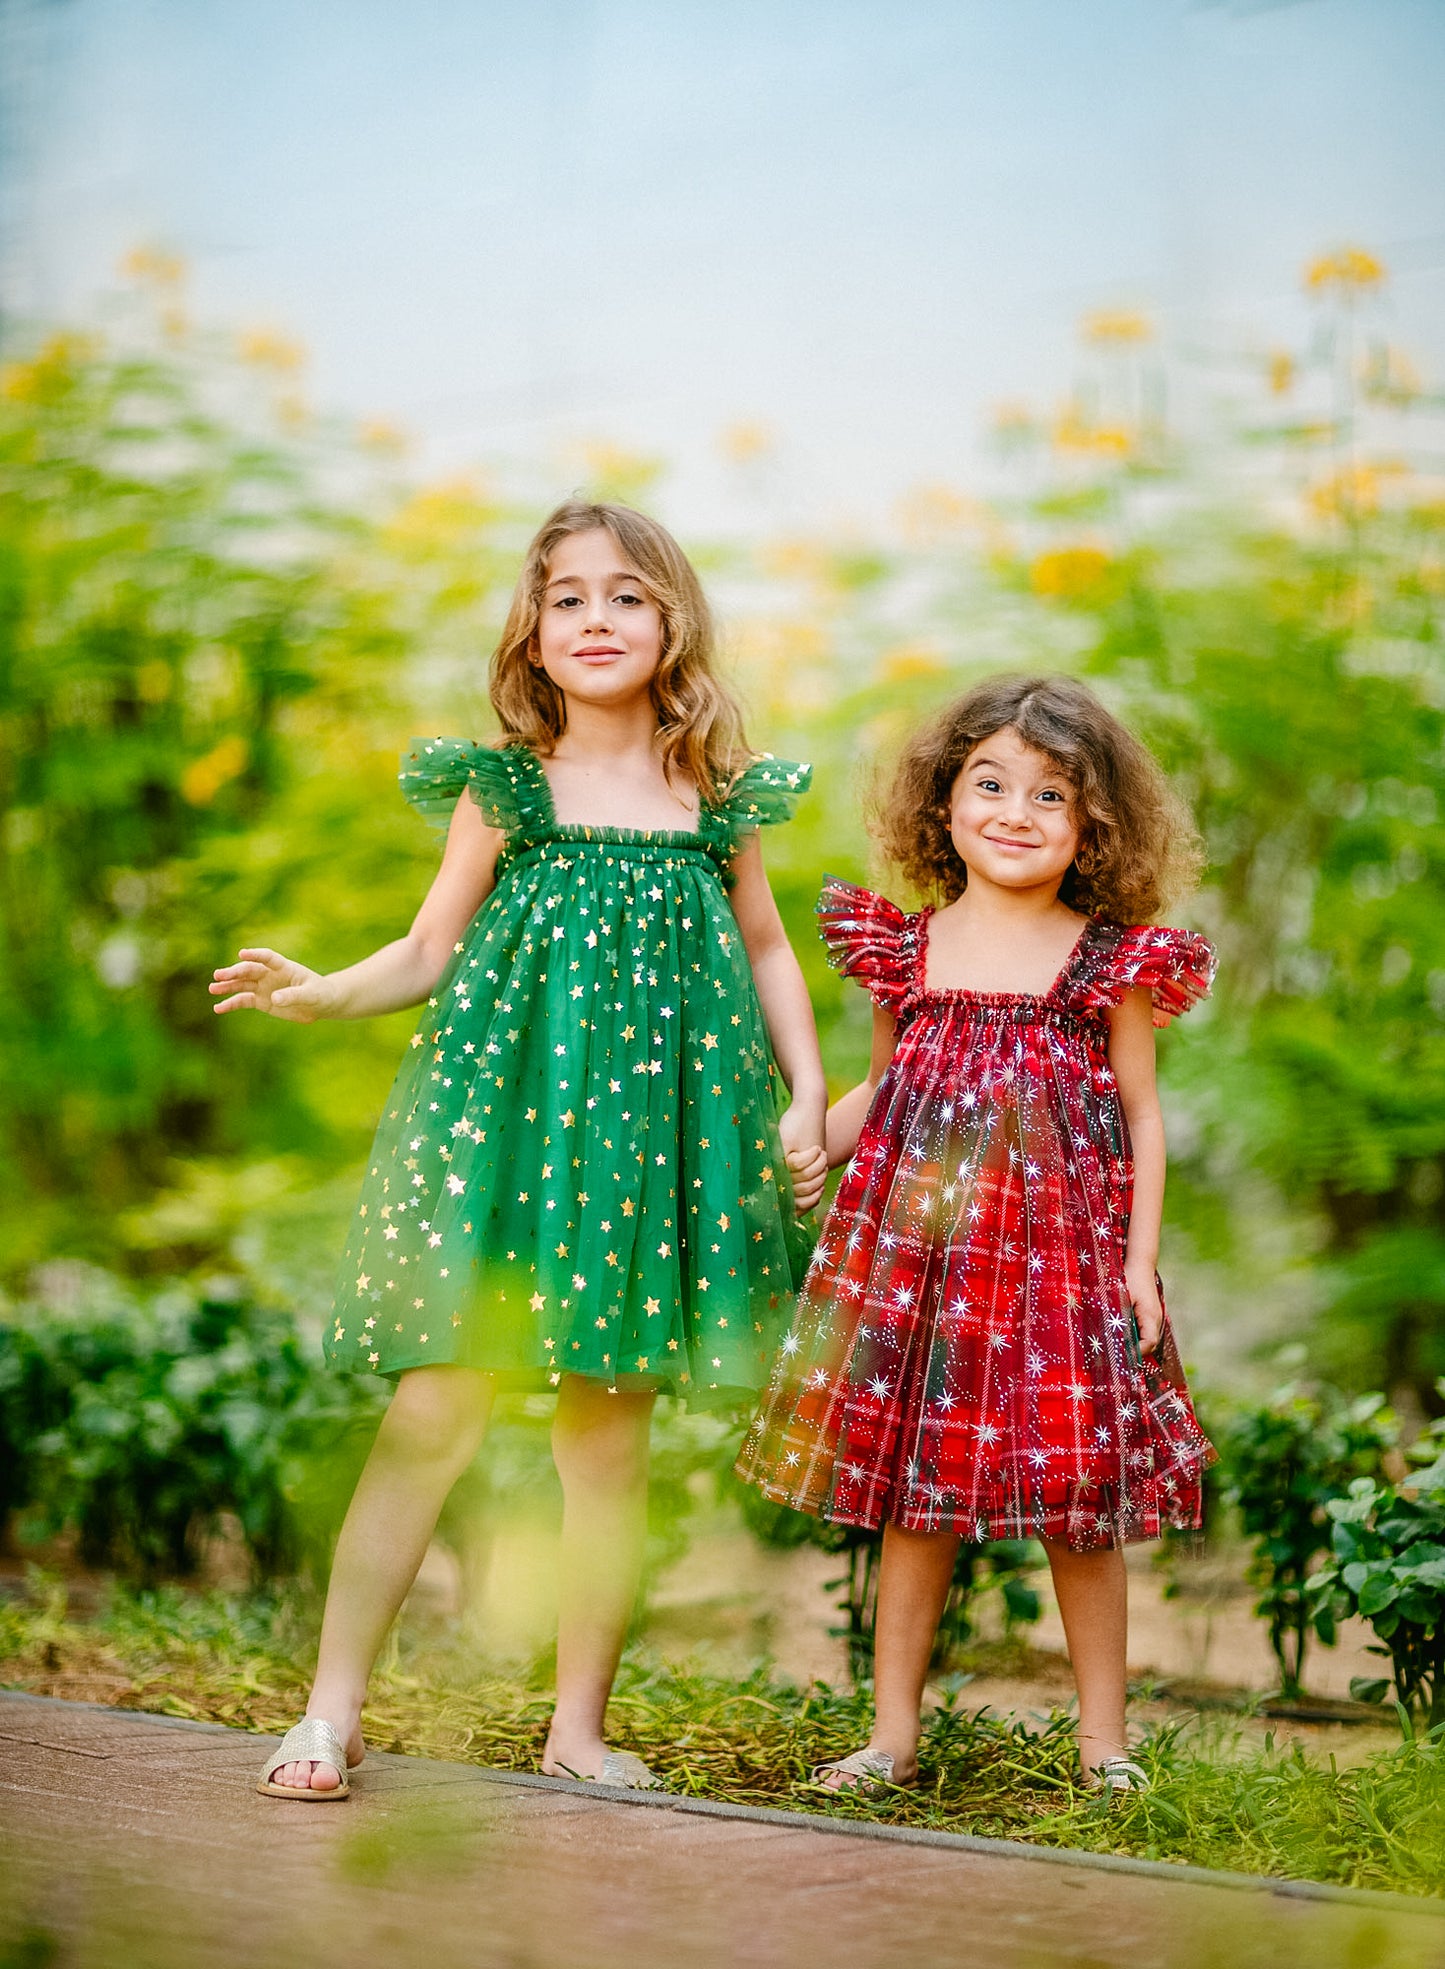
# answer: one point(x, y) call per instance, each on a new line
point(435, 772)
point(870, 939)
point(765, 793)
point(1176, 968)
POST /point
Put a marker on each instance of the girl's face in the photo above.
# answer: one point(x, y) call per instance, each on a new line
point(1012, 815)
point(599, 634)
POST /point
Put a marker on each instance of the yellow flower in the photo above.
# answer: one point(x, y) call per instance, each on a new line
point(1350, 269)
point(1116, 327)
point(744, 442)
point(150, 267)
point(377, 434)
point(438, 516)
point(51, 372)
point(897, 666)
point(1071, 574)
point(267, 349)
point(1354, 491)
point(1280, 371)
point(203, 778)
point(1073, 433)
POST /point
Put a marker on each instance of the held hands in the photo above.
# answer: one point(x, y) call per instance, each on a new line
point(1143, 1289)
point(269, 982)
point(805, 1156)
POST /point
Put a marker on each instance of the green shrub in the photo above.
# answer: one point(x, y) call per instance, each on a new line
point(1388, 1566)
point(1283, 1463)
point(138, 1426)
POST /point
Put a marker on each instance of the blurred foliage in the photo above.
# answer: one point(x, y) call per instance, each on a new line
point(1283, 1464)
point(145, 1426)
point(220, 616)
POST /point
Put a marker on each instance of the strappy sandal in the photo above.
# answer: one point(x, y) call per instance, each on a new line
point(622, 1768)
point(871, 1771)
point(1115, 1774)
point(311, 1741)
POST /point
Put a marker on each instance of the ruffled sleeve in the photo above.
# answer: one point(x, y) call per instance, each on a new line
point(765, 793)
point(1176, 967)
point(436, 771)
point(870, 939)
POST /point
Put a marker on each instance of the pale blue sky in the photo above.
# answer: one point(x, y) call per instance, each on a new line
point(512, 226)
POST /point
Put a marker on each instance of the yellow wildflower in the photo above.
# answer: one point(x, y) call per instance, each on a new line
point(51, 372)
point(377, 434)
point(1280, 371)
point(1350, 269)
point(909, 660)
point(1071, 574)
point(1116, 327)
point(745, 441)
point(150, 267)
point(203, 778)
point(616, 473)
point(267, 349)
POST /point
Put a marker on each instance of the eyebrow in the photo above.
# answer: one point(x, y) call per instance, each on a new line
point(577, 580)
point(1048, 779)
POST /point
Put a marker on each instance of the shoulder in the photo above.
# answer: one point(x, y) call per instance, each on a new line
point(505, 782)
point(871, 939)
point(766, 791)
point(1176, 968)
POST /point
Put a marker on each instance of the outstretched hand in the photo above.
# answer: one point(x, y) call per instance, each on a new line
point(265, 981)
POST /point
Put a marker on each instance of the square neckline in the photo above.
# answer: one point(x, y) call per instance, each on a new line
point(591, 830)
point(920, 987)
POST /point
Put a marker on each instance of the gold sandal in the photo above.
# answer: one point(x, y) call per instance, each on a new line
point(311, 1741)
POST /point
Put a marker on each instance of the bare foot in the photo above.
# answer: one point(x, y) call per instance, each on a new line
point(310, 1775)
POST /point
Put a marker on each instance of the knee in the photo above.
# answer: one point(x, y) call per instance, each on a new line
point(438, 1414)
point(602, 1445)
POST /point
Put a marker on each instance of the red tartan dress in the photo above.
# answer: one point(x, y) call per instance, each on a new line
point(964, 1356)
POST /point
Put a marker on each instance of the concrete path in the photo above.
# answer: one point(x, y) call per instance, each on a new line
point(137, 1842)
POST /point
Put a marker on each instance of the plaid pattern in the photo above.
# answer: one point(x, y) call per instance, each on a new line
point(964, 1356)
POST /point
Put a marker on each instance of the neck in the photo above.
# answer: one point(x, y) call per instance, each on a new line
point(612, 731)
point(985, 906)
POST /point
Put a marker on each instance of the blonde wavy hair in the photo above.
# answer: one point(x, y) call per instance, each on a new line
point(698, 719)
point(1138, 850)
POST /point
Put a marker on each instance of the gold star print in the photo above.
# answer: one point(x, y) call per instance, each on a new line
point(664, 1251)
point(653, 1306)
point(531, 1114)
point(521, 1196)
point(363, 1282)
point(546, 1170)
point(627, 1206)
point(561, 1251)
point(628, 1032)
point(641, 1361)
point(538, 1302)
point(723, 1222)
point(709, 1040)
point(703, 1286)
point(672, 1346)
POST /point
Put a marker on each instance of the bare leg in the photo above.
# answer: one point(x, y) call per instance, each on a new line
point(428, 1436)
point(600, 1442)
point(1093, 1595)
point(913, 1581)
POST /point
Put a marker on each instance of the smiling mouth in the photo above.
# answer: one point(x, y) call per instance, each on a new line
point(606, 649)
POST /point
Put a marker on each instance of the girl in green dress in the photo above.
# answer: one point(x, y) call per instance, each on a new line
point(581, 1180)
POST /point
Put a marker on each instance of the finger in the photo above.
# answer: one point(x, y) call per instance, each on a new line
point(242, 1001)
point(260, 955)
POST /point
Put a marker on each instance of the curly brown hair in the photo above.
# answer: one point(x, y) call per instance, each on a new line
point(1138, 850)
point(699, 720)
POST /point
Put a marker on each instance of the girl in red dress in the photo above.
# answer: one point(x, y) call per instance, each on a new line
point(981, 1348)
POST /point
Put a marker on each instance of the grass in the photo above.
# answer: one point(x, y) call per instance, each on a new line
point(1255, 1809)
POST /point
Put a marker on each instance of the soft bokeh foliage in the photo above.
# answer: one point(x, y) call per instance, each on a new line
point(221, 618)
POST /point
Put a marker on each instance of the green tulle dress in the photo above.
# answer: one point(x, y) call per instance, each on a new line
point(578, 1170)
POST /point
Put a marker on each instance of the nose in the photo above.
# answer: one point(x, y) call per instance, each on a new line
point(1017, 813)
point(598, 615)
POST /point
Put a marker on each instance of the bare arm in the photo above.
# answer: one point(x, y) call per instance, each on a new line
point(789, 1014)
point(850, 1110)
point(1131, 1055)
point(400, 973)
